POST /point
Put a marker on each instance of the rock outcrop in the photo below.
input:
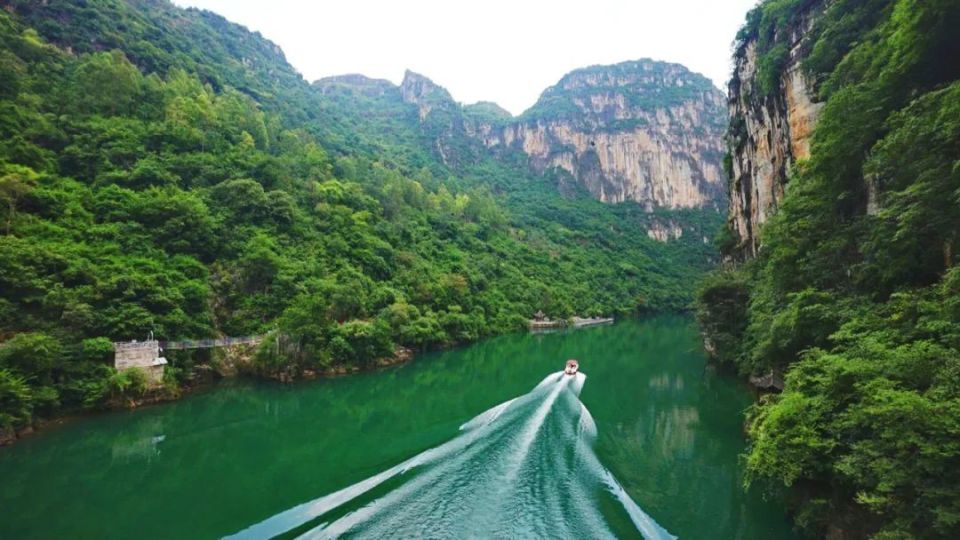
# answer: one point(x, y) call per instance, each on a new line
point(424, 93)
point(769, 132)
point(664, 231)
point(642, 131)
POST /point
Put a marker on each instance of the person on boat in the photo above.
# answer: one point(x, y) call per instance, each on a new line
point(571, 367)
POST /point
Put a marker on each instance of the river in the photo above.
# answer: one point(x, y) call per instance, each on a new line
point(417, 449)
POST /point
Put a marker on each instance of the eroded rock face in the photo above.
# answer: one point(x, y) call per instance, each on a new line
point(664, 231)
point(768, 134)
point(642, 131)
point(424, 93)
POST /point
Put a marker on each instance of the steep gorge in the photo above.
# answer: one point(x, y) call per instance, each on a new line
point(165, 171)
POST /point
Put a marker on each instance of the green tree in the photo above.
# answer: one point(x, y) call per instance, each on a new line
point(16, 400)
point(105, 83)
point(15, 183)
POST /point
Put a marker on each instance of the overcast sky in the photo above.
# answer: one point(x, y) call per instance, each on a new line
point(507, 51)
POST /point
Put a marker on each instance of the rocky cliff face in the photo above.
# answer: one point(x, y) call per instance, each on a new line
point(643, 131)
point(768, 133)
point(424, 93)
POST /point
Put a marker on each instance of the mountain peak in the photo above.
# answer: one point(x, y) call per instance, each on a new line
point(643, 75)
point(639, 86)
point(424, 93)
point(354, 82)
point(416, 88)
point(488, 110)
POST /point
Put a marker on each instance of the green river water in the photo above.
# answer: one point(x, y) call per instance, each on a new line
point(386, 454)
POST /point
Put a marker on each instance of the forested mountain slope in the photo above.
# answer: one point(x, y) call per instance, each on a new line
point(644, 131)
point(845, 212)
point(163, 170)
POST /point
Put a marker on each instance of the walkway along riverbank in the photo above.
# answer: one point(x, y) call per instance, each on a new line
point(575, 322)
point(147, 356)
point(235, 359)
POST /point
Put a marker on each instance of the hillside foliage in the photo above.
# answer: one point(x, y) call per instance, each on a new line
point(855, 291)
point(165, 171)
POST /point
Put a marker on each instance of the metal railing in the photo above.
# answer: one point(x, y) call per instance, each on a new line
point(211, 343)
point(132, 345)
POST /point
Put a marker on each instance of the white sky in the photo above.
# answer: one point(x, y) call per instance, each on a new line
point(506, 51)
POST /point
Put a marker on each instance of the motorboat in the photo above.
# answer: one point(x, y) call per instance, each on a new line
point(571, 367)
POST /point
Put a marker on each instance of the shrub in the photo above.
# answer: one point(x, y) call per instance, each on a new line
point(16, 400)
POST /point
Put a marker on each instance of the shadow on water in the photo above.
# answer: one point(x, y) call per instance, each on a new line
point(217, 463)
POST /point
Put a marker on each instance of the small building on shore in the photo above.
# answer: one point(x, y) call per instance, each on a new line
point(145, 355)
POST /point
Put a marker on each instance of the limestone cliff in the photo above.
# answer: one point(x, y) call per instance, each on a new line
point(770, 129)
point(422, 92)
point(642, 131)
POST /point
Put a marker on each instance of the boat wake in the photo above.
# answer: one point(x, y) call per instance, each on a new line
point(525, 468)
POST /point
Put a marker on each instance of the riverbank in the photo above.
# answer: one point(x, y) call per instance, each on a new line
point(238, 362)
point(228, 365)
point(400, 356)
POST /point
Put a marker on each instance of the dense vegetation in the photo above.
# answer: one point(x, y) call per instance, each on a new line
point(165, 171)
point(654, 85)
point(855, 291)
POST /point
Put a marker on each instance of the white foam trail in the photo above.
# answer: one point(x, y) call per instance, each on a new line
point(437, 477)
point(578, 381)
point(525, 467)
point(588, 428)
point(486, 417)
point(307, 511)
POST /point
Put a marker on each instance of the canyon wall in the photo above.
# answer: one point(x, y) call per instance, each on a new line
point(770, 129)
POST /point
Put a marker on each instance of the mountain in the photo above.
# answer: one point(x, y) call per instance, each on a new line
point(643, 131)
point(841, 283)
point(165, 171)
